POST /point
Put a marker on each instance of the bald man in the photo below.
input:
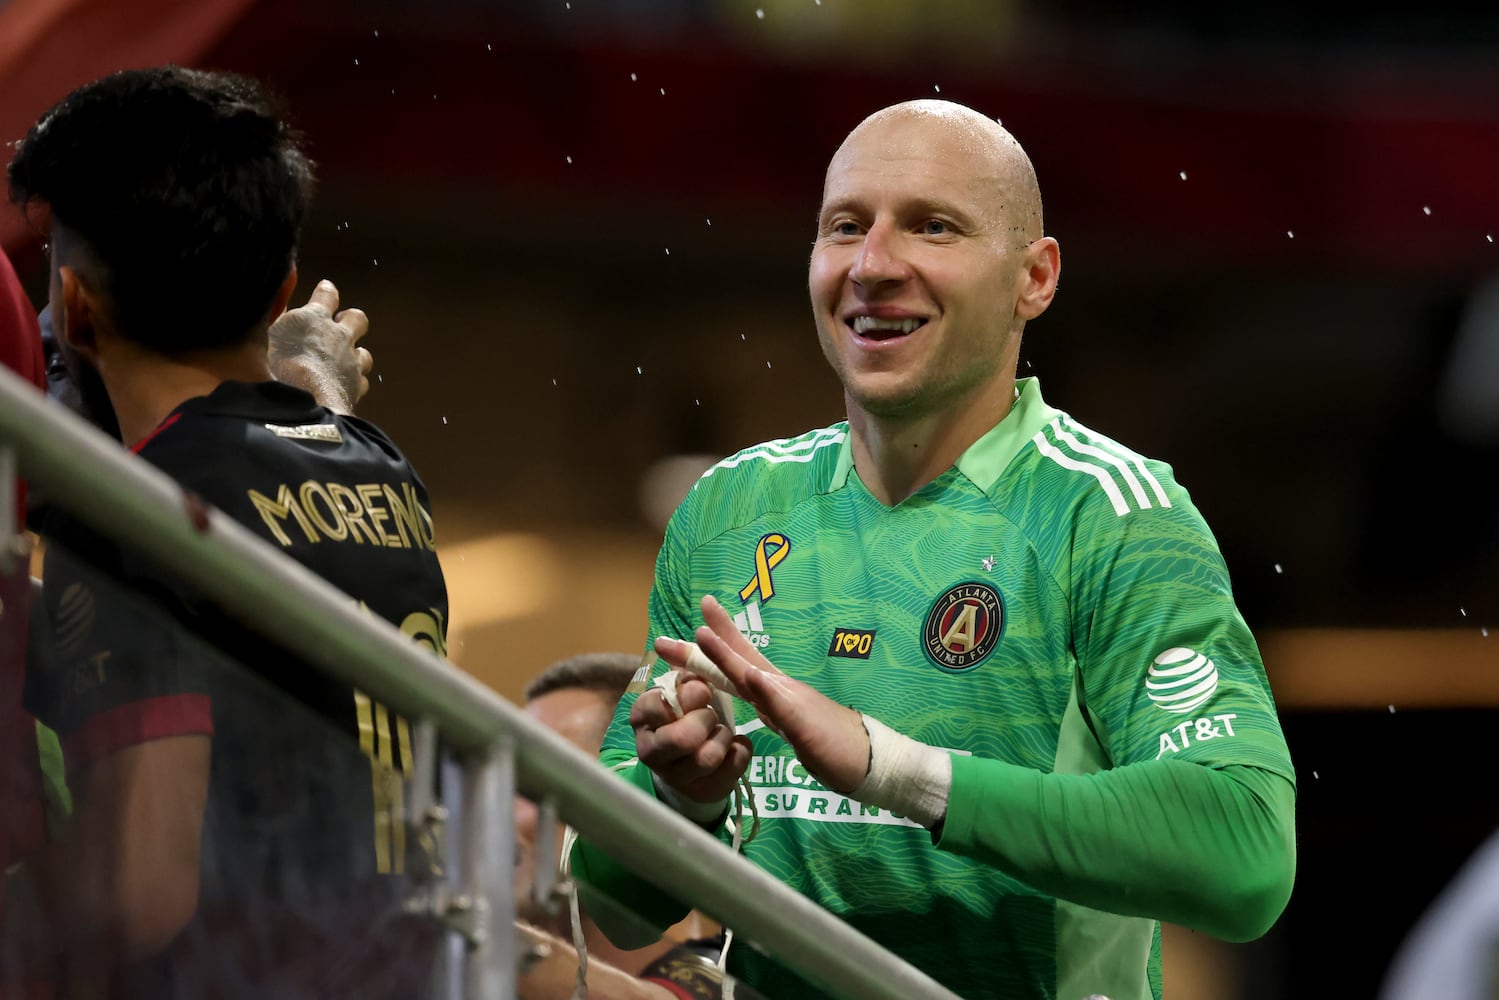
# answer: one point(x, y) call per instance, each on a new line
point(1002, 713)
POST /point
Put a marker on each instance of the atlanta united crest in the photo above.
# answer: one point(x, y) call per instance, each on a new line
point(963, 627)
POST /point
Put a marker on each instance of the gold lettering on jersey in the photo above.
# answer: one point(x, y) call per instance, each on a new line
point(364, 513)
point(273, 512)
point(372, 495)
point(329, 521)
point(353, 511)
point(426, 628)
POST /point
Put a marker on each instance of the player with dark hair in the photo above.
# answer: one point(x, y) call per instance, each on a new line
point(235, 832)
point(1061, 730)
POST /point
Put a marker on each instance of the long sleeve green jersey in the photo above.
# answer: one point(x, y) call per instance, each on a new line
point(1054, 612)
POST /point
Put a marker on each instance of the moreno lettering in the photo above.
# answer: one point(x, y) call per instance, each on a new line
point(372, 513)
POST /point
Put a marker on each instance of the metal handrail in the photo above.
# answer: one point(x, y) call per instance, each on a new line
point(126, 499)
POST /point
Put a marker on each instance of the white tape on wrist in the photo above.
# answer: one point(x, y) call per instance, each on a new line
point(701, 813)
point(905, 776)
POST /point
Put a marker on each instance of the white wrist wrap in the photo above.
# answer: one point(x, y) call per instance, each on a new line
point(905, 776)
point(701, 813)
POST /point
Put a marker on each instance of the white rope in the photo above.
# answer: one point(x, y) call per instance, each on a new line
point(580, 944)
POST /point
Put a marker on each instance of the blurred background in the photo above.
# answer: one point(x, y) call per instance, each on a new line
point(581, 228)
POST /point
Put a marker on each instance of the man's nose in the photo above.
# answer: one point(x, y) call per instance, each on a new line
point(881, 257)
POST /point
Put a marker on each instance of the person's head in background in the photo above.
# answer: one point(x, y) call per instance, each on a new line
point(177, 199)
point(575, 697)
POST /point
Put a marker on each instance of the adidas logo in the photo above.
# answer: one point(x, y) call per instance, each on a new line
point(748, 622)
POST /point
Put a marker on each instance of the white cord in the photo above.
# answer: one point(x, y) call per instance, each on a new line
point(580, 944)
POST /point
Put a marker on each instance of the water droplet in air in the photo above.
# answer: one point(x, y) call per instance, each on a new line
point(1316, 775)
point(1183, 175)
point(741, 336)
point(375, 262)
point(1278, 569)
point(569, 159)
point(380, 379)
point(377, 32)
point(554, 381)
point(1484, 632)
point(668, 251)
point(356, 62)
point(760, 13)
point(1290, 234)
point(767, 364)
point(638, 371)
point(1392, 709)
point(633, 78)
point(1489, 238)
point(488, 47)
point(1463, 612)
point(663, 91)
point(1426, 209)
point(444, 421)
point(937, 87)
point(710, 222)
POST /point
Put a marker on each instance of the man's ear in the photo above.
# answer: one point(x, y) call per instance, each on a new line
point(283, 296)
point(1038, 283)
point(79, 307)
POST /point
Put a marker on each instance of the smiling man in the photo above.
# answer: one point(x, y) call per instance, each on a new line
point(1060, 732)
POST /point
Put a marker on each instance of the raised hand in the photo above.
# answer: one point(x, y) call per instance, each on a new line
point(829, 739)
point(694, 753)
point(315, 347)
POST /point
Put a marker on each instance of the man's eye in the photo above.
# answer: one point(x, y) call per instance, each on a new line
point(846, 228)
point(934, 227)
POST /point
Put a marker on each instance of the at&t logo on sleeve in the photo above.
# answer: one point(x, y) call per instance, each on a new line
point(1181, 680)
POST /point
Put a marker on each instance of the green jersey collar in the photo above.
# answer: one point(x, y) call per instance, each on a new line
point(988, 457)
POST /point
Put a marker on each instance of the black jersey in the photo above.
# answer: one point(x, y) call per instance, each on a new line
point(305, 855)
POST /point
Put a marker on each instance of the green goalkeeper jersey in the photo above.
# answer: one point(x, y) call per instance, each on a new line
point(1052, 605)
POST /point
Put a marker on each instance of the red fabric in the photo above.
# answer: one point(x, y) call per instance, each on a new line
point(49, 47)
point(20, 336)
point(22, 829)
point(169, 421)
point(675, 990)
point(137, 722)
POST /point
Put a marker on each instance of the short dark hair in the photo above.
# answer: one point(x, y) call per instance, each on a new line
point(609, 673)
point(188, 190)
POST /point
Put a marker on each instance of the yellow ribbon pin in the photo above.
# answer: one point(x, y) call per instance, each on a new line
point(764, 563)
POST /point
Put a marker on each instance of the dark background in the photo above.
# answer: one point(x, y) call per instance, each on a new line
point(581, 231)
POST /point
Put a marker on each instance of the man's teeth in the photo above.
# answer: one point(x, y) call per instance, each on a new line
point(864, 324)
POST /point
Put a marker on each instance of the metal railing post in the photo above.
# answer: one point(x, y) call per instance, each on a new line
point(488, 871)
